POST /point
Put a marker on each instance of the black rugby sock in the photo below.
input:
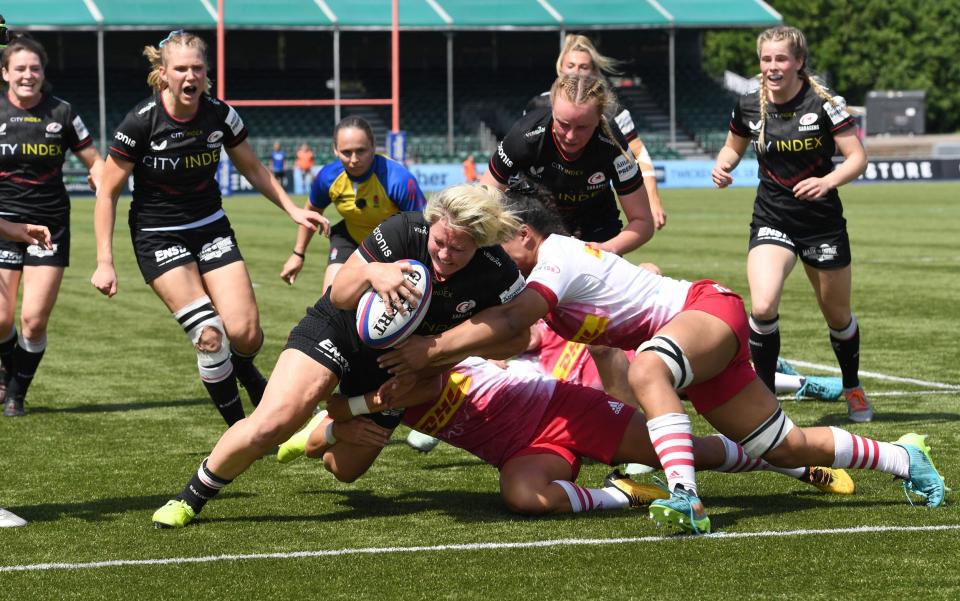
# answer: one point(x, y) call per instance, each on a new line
point(846, 346)
point(7, 347)
point(765, 348)
point(203, 486)
point(226, 398)
point(248, 375)
point(25, 366)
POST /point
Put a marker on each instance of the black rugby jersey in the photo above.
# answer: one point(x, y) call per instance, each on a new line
point(581, 185)
point(491, 278)
point(175, 161)
point(798, 144)
point(621, 118)
point(33, 145)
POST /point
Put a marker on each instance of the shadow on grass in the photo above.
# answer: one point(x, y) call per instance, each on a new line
point(101, 510)
point(111, 407)
point(756, 506)
point(839, 419)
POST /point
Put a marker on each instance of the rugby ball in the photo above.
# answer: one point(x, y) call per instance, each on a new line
point(380, 330)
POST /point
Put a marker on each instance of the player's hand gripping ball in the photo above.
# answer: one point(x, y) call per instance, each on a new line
point(381, 330)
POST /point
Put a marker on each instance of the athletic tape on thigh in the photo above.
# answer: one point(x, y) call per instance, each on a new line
point(768, 436)
point(672, 355)
point(193, 318)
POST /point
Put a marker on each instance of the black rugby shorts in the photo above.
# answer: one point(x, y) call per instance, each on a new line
point(821, 250)
point(210, 246)
point(14, 255)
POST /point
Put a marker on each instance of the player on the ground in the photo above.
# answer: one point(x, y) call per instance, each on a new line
point(579, 56)
point(690, 337)
point(796, 125)
point(363, 186)
point(457, 237)
point(572, 151)
point(36, 130)
point(187, 252)
point(532, 428)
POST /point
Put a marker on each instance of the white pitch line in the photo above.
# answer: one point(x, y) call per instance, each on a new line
point(878, 376)
point(788, 396)
point(564, 542)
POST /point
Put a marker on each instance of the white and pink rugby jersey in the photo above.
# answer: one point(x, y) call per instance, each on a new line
point(484, 410)
point(597, 297)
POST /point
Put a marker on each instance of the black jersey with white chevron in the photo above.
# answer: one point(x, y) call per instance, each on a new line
point(798, 144)
point(33, 145)
point(175, 161)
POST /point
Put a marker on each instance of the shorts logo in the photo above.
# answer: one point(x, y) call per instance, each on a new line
point(54, 127)
point(36, 251)
point(822, 253)
point(328, 349)
point(466, 306)
point(615, 406)
point(769, 233)
point(11, 257)
point(217, 248)
point(596, 178)
point(168, 255)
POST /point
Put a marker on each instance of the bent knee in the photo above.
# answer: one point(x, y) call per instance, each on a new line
point(526, 502)
point(210, 340)
point(330, 464)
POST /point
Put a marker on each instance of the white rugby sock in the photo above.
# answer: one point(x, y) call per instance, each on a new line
point(590, 499)
point(859, 452)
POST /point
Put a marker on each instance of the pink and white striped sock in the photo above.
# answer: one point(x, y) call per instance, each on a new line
point(672, 438)
point(860, 452)
point(590, 499)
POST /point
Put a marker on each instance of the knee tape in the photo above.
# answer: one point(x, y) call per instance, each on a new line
point(768, 436)
point(672, 355)
point(214, 366)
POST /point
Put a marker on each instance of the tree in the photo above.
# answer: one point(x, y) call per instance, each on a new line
point(866, 45)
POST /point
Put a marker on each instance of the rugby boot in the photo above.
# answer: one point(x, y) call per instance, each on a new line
point(682, 510)
point(175, 514)
point(14, 407)
point(640, 495)
point(821, 387)
point(296, 445)
point(859, 409)
point(924, 481)
point(830, 480)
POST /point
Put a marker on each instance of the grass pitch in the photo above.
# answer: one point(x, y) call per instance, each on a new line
point(117, 420)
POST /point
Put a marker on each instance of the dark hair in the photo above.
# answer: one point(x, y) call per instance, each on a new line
point(22, 41)
point(535, 206)
point(358, 123)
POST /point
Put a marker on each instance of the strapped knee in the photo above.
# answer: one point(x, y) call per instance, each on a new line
point(768, 436)
point(672, 355)
point(214, 365)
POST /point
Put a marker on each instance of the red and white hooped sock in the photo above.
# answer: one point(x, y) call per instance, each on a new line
point(672, 438)
point(859, 452)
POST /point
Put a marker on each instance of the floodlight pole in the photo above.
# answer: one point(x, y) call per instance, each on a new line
point(336, 75)
point(395, 63)
point(101, 76)
point(450, 92)
point(221, 52)
point(673, 88)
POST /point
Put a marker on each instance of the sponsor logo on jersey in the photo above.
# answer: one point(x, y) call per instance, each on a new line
point(122, 137)
point(546, 267)
point(214, 137)
point(535, 132)
point(808, 119)
point(515, 288)
point(6, 149)
point(466, 306)
point(80, 128)
point(798, 145)
point(328, 349)
point(34, 150)
point(596, 178)
point(25, 120)
point(54, 127)
point(822, 253)
point(234, 122)
point(566, 170)
point(158, 147)
point(167, 255)
point(567, 362)
point(37, 251)
point(625, 167)
point(3, 129)
point(381, 242)
point(596, 253)
point(536, 171)
point(147, 107)
point(503, 155)
point(607, 140)
point(615, 406)
point(837, 113)
point(455, 392)
point(12, 257)
point(769, 233)
point(217, 248)
point(492, 258)
point(591, 328)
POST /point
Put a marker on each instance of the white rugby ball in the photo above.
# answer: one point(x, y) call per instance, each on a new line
point(379, 330)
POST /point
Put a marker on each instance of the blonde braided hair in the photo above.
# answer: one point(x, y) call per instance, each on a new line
point(797, 44)
point(583, 89)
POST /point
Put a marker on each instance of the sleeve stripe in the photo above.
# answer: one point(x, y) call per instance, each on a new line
point(547, 294)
